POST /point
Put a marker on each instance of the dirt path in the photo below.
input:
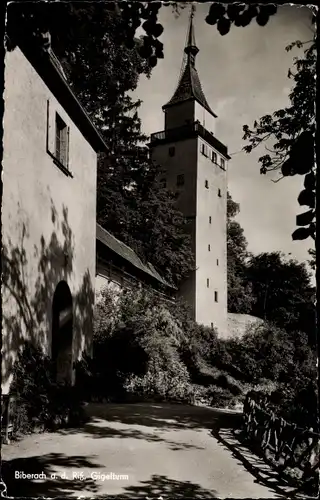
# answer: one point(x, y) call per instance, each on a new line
point(134, 450)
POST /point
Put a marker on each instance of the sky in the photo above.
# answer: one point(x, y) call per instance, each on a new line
point(244, 76)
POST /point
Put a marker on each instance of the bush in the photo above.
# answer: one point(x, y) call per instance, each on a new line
point(104, 313)
point(41, 403)
point(280, 363)
point(221, 397)
point(197, 349)
point(299, 406)
point(151, 349)
point(160, 385)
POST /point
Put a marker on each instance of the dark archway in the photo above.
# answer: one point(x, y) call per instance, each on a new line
point(62, 332)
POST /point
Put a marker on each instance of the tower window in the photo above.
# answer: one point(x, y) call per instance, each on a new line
point(209, 248)
point(208, 282)
point(206, 184)
point(163, 183)
point(219, 193)
point(172, 151)
point(222, 162)
point(210, 219)
point(204, 149)
point(216, 296)
point(180, 180)
point(214, 157)
point(217, 262)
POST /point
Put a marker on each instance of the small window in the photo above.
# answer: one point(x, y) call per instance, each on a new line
point(209, 248)
point(214, 157)
point(204, 149)
point(208, 282)
point(206, 184)
point(219, 193)
point(61, 149)
point(172, 151)
point(163, 183)
point(222, 162)
point(216, 296)
point(217, 262)
point(210, 219)
point(180, 180)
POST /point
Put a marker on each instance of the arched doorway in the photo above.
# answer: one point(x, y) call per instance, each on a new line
point(62, 326)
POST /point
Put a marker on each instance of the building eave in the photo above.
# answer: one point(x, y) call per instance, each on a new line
point(46, 66)
point(128, 255)
point(191, 98)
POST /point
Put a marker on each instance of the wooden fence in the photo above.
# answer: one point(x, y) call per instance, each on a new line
point(293, 451)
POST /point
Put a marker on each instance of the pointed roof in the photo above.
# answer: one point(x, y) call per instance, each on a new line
point(189, 86)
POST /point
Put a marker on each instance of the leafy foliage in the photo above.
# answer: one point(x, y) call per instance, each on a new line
point(41, 402)
point(283, 293)
point(240, 296)
point(285, 359)
point(224, 16)
point(153, 350)
point(312, 261)
point(46, 15)
point(293, 128)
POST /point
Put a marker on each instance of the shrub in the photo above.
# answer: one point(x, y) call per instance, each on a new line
point(221, 397)
point(198, 348)
point(160, 385)
point(142, 352)
point(299, 406)
point(280, 363)
point(105, 313)
point(41, 403)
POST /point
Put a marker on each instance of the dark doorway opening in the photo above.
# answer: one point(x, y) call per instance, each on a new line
point(62, 334)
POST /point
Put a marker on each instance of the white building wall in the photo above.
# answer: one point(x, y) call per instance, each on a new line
point(48, 219)
point(211, 262)
point(201, 203)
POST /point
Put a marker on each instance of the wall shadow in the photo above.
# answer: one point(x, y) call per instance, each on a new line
point(49, 487)
point(99, 430)
point(27, 302)
point(166, 417)
point(66, 487)
point(167, 488)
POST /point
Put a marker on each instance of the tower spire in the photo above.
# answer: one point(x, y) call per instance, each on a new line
point(191, 49)
point(189, 86)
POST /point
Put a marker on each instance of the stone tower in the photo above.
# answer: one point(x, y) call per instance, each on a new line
point(194, 163)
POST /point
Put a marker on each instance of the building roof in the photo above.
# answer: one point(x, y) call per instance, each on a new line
point(49, 69)
point(189, 86)
point(124, 251)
